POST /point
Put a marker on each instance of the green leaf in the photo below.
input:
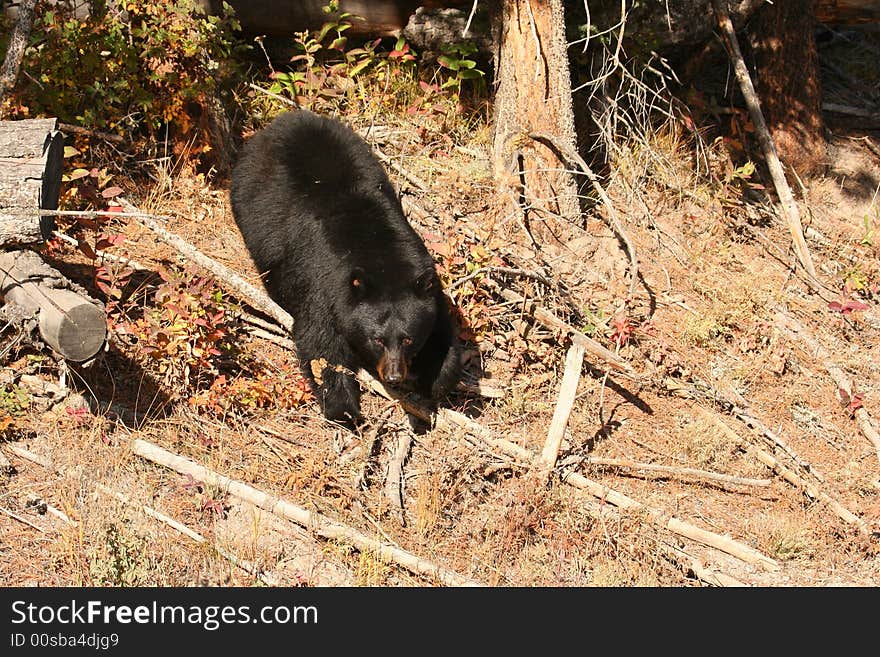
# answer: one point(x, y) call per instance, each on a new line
point(448, 62)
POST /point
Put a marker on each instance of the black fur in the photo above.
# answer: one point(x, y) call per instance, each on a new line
point(324, 226)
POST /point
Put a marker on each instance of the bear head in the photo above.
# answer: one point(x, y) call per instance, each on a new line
point(388, 322)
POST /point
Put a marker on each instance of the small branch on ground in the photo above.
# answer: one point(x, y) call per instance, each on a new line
point(152, 513)
point(255, 296)
point(791, 477)
point(574, 362)
point(394, 479)
point(675, 471)
point(766, 141)
point(449, 420)
point(552, 322)
point(312, 521)
point(845, 387)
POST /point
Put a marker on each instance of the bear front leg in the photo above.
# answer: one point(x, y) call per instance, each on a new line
point(326, 366)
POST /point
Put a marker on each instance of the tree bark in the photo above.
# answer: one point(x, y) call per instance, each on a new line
point(15, 50)
point(787, 81)
point(534, 95)
point(31, 158)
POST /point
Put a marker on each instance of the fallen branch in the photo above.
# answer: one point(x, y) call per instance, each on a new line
point(449, 420)
point(574, 361)
point(257, 297)
point(791, 477)
point(795, 329)
point(312, 521)
point(675, 471)
point(152, 513)
point(22, 520)
point(394, 478)
point(765, 140)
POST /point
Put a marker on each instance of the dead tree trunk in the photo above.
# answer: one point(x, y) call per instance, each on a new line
point(534, 96)
point(31, 157)
point(787, 81)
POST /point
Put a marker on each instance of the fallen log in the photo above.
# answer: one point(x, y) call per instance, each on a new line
point(70, 322)
point(31, 158)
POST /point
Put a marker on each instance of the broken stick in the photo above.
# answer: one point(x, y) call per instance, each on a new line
point(574, 361)
point(766, 141)
point(312, 521)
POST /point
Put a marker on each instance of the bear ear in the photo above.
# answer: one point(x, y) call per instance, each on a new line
point(425, 283)
point(357, 282)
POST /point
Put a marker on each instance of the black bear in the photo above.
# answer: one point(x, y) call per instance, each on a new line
point(326, 230)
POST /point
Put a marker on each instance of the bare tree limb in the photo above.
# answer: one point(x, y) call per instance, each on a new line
point(450, 420)
point(574, 361)
point(767, 146)
point(312, 521)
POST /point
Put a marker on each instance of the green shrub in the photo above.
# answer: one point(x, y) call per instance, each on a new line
point(138, 65)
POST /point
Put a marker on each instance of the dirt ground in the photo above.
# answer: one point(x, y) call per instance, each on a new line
point(730, 456)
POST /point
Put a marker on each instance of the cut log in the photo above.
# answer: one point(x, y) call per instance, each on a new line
point(31, 157)
point(69, 322)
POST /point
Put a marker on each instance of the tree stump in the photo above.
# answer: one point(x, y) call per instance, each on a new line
point(31, 157)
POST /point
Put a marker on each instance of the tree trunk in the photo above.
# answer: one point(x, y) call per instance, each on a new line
point(787, 81)
point(534, 95)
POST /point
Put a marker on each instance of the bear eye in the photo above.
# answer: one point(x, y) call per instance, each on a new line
point(379, 341)
point(407, 342)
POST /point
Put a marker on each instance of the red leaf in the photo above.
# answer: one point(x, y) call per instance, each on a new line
point(110, 192)
point(847, 306)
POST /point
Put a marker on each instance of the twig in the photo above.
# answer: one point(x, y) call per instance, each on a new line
point(551, 321)
point(766, 141)
point(272, 94)
point(128, 262)
point(574, 361)
point(675, 470)
point(509, 271)
point(795, 329)
point(25, 521)
point(79, 130)
point(314, 522)
point(410, 177)
point(574, 158)
point(450, 420)
point(394, 478)
point(742, 414)
point(791, 477)
point(371, 440)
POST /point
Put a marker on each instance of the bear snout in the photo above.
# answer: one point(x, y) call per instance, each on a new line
point(392, 366)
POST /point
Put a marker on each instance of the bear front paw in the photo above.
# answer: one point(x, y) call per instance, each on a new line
point(341, 400)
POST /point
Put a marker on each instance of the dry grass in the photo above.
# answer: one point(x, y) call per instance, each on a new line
point(704, 316)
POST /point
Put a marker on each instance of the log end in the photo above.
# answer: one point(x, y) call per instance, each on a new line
point(78, 334)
